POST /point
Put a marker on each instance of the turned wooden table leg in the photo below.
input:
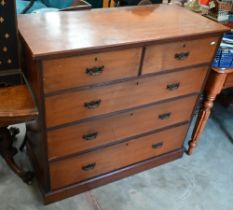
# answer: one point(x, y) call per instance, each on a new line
point(213, 88)
point(7, 151)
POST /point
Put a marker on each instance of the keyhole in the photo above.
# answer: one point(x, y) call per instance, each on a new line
point(96, 59)
point(184, 45)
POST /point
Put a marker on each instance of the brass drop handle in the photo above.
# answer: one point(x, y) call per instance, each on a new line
point(90, 136)
point(157, 145)
point(165, 115)
point(181, 56)
point(94, 71)
point(173, 86)
point(89, 167)
point(92, 104)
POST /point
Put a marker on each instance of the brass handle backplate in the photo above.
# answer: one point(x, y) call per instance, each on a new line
point(94, 71)
point(92, 104)
point(89, 166)
point(181, 56)
point(165, 115)
point(90, 136)
point(173, 86)
point(157, 145)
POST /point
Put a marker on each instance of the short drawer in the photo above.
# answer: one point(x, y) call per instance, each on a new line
point(179, 54)
point(75, 106)
point(90, 69)
point(86, 136)
point(79, 168)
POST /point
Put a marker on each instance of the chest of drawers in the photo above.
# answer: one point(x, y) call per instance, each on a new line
point(116, 89)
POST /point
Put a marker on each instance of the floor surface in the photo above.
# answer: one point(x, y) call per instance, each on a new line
point(203, 181)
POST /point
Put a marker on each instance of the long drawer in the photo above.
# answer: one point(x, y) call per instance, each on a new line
point(76, 169)
point(74, 106)
point(90, 69)
point(85, 136)
point(179, 54)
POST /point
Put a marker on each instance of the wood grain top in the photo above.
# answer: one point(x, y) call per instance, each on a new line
point(57, 33)
point(16, 101)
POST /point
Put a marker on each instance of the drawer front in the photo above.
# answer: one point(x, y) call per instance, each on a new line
point(179, 54)
point(90, 69)
point(86, 136)
point(79, 105)
point(92, 164)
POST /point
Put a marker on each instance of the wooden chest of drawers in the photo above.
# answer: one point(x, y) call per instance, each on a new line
point(116, 89)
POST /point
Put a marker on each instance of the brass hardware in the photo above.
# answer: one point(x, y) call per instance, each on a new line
point(212, 43)
point(181, 56)
point(157, 145)
point(0, 62)
point(90, 136)
point(165, 115)
point(92, 104)
point(89, 167)
point(9, 61)
point(95, 71)
point(173, 86)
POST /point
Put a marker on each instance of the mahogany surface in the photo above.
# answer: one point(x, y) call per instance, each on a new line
point(131, 105)
point(118, 156)
point(89, 184)
point(112, 129)
point(165, 58)
point(77, 32)
point(120, 96)
point(112, 67)
point(16, 105)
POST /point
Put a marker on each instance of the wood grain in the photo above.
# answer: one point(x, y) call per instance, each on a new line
point(213, 87)
point(16, 105)
point(71, 72)
point(63, 173)
point(121, 96)
point(55, 43)
point(53, 34)
point(163, 56)
point(89, 184)
point(70, 139)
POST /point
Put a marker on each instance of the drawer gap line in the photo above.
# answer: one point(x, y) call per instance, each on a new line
point(131, 138)
point(103, 116)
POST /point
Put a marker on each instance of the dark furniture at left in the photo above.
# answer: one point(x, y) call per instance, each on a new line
point(16, 102)
point(9, 61)
point(16, 106)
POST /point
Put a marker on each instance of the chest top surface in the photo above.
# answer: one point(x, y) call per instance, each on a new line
point(56, 33)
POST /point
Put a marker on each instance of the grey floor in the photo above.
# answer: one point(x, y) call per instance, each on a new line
point(203, 181)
